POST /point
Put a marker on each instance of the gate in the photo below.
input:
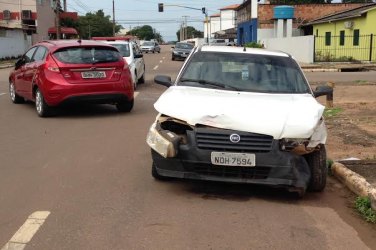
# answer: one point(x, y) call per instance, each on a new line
point(345, 48)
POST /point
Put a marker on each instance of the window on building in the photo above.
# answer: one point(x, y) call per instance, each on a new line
point(356, 38)
point(328, 37)
point(342, 37)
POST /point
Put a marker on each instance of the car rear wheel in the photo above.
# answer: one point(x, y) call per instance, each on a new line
point(42, 108)
point(317, 163)
point(142, 78)
point(135, 81)
point(13, 95)
point(125, 106)
point(173, 58)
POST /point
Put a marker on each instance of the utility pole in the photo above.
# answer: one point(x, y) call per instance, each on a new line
point(57, 19)
point(185, 32)
point(113, 17)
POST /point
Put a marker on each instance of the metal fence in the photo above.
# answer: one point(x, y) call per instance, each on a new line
point(345, 48)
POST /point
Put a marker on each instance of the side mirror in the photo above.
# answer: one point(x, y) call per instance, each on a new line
point(19, 63)
point(323, 90)
point(163, 80)
point(138, 55)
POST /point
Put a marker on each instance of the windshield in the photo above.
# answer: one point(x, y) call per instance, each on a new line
point(82, 55)
point(244, 72)
point(148, 44)
point(123, 48)
point(184, 46)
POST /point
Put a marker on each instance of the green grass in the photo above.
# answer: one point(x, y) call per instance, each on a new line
point(329, 163)
point(331, 112)
point(363, 206)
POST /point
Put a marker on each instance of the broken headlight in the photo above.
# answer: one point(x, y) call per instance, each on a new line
point(162, 141)
point(298, 146)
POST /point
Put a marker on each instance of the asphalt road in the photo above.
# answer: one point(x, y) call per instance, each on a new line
point(89, 167)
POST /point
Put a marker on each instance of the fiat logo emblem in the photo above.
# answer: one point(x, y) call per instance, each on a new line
point(235, 138)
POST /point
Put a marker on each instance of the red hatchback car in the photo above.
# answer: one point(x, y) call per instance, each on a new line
point(52, 73)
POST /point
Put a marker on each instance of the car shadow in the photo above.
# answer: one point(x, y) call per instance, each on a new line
point(235, 192)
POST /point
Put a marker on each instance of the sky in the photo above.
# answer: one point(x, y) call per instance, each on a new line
point(132, 13)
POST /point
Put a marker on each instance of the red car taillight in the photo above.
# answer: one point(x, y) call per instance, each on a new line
point(51, 65)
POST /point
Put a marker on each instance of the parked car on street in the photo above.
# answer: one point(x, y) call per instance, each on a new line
point(131, 53)
point(150, 46)
point(181, 51)
point(52, 73)
point(240, 115)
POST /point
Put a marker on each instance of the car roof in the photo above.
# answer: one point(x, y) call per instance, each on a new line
point(116, 42)
point(57, 44)
point(231, 49)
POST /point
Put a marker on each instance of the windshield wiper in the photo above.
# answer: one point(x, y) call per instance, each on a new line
point(205, 82)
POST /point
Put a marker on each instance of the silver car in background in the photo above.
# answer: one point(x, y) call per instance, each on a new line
point(150, 46)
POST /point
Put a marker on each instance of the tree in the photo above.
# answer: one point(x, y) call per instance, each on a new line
point(96, 24)
point(191, 33)
point(145, 32)
point(69, 22)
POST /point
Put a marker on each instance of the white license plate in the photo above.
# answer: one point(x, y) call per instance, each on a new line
point(233, 159)
point(93, 74)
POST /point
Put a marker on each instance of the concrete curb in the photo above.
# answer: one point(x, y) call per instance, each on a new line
point(4, 66)
point(319, 70)
point(355, 182)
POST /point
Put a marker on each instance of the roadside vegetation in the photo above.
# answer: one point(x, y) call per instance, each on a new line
point(332, 112)
point(363, 206)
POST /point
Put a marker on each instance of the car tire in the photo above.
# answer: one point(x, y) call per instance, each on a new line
point(159, 51)
point(125, 106)
point(142, 78)
point(135, 81)
point(157, 176)
point(153, 51)
point(173, 58)
point(319, 171)
point(13, 95)
point(42, 108)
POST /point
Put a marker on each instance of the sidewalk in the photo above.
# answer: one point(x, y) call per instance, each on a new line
point(337, 67)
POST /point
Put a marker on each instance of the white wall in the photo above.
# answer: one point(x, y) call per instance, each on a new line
point(14, 43)
point(215, 25)
point(300, 47)
point(227, 19)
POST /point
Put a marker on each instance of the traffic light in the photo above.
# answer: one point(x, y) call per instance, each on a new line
point(203, 10)
point(160, 7)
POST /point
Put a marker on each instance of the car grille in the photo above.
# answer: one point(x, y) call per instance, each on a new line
point(230, 171)
point(219, 139)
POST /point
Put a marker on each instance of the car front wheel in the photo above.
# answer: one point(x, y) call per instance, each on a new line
point(317, 164)
point(42, 108)
point(13, 95)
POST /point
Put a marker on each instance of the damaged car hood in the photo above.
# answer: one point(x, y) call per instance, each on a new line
point(278, 115)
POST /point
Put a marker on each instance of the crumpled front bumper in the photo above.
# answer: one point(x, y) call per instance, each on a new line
point(275, 168)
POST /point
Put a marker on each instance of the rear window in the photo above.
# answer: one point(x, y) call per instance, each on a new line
point(123, 48)
point(82, 55)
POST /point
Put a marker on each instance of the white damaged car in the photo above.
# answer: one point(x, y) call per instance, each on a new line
point(240, 115)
